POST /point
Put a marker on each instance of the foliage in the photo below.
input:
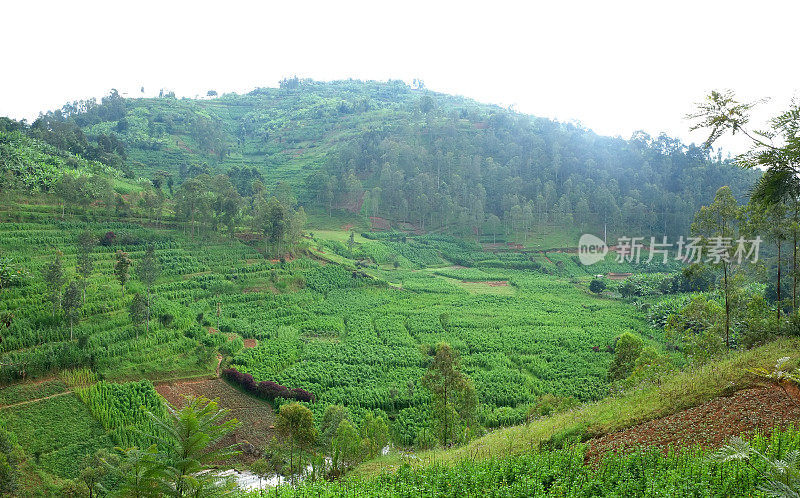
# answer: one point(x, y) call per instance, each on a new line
point(453, 395)
point(597, 286)
point(627, 349)
point(564, 472)
point(190, 437)
point(781, 475)
point(347, 446)
point(265, 389)
point(295, 425)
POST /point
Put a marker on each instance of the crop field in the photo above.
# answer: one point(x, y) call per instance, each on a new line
point(57, 431)
point(356, 331)
point(256, 416)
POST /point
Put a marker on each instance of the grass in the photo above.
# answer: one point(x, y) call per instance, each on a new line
point(677, 392)
point(52, 424)
point(19, 393)
point(340, 235)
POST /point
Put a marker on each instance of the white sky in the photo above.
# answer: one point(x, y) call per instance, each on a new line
point(615, 66)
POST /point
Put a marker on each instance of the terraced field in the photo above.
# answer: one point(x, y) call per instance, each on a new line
point(352, 323)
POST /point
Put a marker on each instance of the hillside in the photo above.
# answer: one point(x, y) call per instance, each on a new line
point(430, 296)
point(416, 157)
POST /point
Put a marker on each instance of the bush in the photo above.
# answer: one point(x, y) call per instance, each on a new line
point(266, 389)
point(566, 438)
point(597, 286)
point(108, 239)
point(627, 349)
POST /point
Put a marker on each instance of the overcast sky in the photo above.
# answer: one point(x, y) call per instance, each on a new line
point(614, 66)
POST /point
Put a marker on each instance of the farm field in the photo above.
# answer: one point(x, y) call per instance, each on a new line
point(355, 332)
point(256, 416)
point(369, 289)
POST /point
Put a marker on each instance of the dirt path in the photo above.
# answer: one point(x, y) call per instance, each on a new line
point(26, 402)
point(709, 425)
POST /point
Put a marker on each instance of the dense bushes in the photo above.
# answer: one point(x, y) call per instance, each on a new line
point(266, 389)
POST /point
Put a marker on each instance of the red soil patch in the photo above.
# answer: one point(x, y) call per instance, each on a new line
point(212, 330)
point(294, 152)
point(248, 290)
point(347, 227)
point(286, 257)
point(379, 223)
point(495, 283)
point(618, 276)
point(256, 416)
point(250, 343)
point(709, 425)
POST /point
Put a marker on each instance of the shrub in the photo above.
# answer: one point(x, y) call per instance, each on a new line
point(266, 389)
point(108, 239)
point(597, 286)
point(626, 351)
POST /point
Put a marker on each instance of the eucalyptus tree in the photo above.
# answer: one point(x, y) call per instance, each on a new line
point(85, 266)
point(717, 227)
point(55, 280)
point(121, 269)
point(775, 149)
point(71, 304)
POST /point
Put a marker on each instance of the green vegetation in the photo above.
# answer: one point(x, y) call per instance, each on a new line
point(646, 472)
point(430, 294)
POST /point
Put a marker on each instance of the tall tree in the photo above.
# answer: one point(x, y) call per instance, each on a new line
point(717, 227)
point(137, 310)
point(375, 433)
point(55, 280)
point(453, 394)
point(86, 243)
point(192, 202)
point(295, 425)
point(775, 149)
point(347, 446)
point(333, 416)
point(121, 269)
point(71, 304)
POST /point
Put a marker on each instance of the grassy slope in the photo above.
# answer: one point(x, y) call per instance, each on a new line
point(677, 392)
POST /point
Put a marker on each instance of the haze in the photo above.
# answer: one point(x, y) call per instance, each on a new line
point(615, 68)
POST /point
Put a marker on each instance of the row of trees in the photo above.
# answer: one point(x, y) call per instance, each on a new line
point(69, 295)
point(775, 200)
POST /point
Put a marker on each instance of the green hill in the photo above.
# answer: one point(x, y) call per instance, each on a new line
point(418, 158)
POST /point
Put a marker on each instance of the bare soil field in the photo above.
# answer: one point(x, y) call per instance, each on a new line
point(256, 416)
point(708, 425)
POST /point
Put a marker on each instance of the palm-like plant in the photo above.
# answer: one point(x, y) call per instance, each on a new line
point(781, 476)
point(780, 375)
point(188, 437)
